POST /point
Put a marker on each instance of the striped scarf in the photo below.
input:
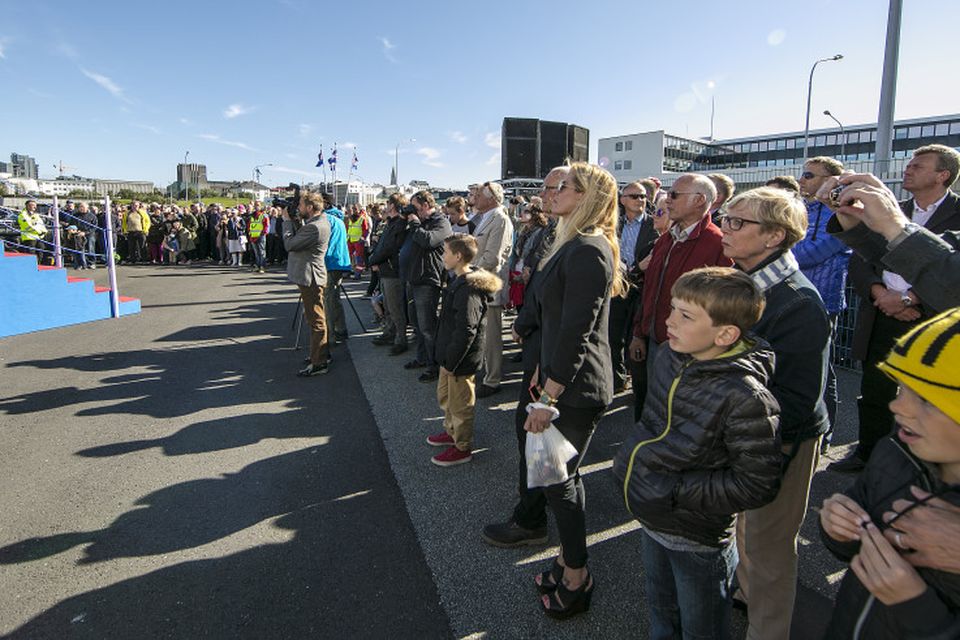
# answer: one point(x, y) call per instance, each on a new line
point(776, 272)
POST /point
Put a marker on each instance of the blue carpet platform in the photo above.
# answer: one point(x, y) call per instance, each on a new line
point(38, 297)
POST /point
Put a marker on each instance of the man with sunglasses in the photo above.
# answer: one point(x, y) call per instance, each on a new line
point(693, 241)
point(636, 235)
point(824, 260)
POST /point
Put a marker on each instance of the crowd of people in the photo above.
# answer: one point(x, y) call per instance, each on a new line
point(719, 309)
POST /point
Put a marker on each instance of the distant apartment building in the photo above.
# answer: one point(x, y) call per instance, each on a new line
point(20, 166)
point(751, 160)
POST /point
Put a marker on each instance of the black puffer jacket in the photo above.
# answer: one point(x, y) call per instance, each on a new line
point(386, 255)
point(707, 445)
point(933, 615)
point(459, 343)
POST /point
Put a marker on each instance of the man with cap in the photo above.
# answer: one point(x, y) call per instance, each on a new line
point(494, 234)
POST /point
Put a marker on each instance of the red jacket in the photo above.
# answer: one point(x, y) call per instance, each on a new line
point(670, 261)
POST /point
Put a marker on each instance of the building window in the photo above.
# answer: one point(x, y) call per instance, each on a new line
point(627, 165)
point(900, 133)
point(954, 127)
point(831, 139)
point(618, 147)
point(943, 129)
point(914, 132)
point(628, 145)
point(927, 131)
point(617, 165)
point(754, 147)
point(820, 141)
point(865, 136)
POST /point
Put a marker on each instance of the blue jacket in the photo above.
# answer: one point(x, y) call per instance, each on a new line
point(823, 259)
point(338, 257)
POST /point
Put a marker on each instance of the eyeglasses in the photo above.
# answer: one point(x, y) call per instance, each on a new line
point(635, 196)
point(734, 223)
point(810, 175)
point(676, 194)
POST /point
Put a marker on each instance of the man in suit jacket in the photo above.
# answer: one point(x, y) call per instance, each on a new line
point(306, 268)
point(636, 235)
point(890, 306)
point(494, 235)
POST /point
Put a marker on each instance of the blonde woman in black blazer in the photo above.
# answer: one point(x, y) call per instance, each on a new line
point(572, 298)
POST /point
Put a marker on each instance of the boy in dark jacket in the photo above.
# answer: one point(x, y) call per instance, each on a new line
point(459, 345)
point(889, 593)
point(706, 447)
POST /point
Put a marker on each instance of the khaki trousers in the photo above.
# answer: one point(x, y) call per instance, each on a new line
point(456, 395)
point(316, 320)
point(767, 544)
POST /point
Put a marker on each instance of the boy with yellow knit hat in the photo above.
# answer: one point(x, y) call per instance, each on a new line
point(883, 595)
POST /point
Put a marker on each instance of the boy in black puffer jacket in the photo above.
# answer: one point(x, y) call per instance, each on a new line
point(888, 593)
point(459, 347)
point(707, 447)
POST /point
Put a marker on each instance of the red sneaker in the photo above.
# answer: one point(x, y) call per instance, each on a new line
point(441, 439)
point(452, 456)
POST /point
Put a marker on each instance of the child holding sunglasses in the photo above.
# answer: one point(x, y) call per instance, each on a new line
point(884, 595)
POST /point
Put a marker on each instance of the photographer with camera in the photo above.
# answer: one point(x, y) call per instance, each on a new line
point(306, 267)
point(421, 259)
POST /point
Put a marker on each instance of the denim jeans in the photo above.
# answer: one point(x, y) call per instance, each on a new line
point(424, 313)
point(688, 592)
point(260, 251)
point(90, 249)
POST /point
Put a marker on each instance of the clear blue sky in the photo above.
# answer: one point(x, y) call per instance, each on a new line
point(124, 89)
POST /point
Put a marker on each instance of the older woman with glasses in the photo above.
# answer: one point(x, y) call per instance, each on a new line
point(572, 385)
point(759, 229)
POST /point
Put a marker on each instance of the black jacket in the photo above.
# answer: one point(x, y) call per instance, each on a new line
point(935, 614)
point(706, 447)
point(571, 299)
point(795, 324)
point(459, 342)
point(387, 252)
point(425, 264)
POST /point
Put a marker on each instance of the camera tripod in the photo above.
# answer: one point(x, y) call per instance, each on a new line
point(297, 323)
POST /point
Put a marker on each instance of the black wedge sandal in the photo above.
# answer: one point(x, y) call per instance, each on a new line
point(563, 603)
point(547, 581)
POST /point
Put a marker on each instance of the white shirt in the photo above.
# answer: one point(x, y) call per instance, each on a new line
point(921, 216)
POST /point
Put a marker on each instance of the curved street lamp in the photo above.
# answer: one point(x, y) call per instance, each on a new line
point(843, 134)
point(806, 129)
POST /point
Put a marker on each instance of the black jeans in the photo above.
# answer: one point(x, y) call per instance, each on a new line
point(877, 390)
point(424, 299)
point(619, 331)
point(567, 499)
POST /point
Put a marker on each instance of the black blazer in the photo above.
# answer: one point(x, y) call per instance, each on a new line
point(572, 300)
point(863, 275)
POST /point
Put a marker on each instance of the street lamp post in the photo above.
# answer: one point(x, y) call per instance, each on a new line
point(396, 161)
point(185, 181)
point(256, 174)
point(843, 134)
point(806, 129)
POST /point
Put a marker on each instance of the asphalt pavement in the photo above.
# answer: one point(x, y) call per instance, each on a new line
point(167, 476)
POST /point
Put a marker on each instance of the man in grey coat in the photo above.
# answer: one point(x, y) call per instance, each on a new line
point(306, 268)
point(494, 234)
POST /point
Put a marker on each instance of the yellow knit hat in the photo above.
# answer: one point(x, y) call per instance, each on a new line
point(927, 359)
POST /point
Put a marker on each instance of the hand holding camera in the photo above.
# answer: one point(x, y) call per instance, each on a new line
point(862, 197)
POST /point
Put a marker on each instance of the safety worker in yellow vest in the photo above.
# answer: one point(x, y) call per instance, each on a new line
point(259, 226)
point(33, 232)
point(358, 228)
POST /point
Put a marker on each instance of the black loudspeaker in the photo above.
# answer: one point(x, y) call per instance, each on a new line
point(531, 147)
point(553, 146)
point(578, 143)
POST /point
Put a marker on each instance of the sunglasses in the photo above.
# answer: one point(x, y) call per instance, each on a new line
point(676, 194)
point(635, 196)
point(810, 175)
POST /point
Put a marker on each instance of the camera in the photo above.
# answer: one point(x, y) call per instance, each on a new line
point(291, 203)
point(407, 210)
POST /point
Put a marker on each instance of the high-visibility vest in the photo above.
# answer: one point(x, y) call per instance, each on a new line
point(31, 226)
point(256, 225)
point(355, 230)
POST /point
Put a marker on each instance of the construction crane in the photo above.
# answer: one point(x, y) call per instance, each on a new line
point(60, 166)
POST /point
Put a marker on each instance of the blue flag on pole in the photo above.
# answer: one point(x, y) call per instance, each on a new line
point(332, 160)
point(320, 157)
point(356, 161)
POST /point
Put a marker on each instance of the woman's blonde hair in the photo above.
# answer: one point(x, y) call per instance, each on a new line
point(595, 214)
point(775, 209)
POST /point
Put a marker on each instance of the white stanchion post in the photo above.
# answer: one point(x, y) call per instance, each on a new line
point(57, 249)
point(111, 262)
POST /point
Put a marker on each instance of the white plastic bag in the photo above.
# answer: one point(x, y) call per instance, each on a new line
point(547, 455)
